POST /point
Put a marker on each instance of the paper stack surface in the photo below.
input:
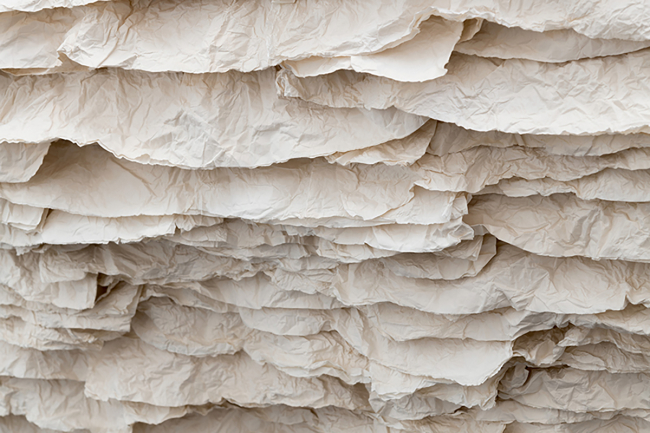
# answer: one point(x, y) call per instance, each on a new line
point(387, 216)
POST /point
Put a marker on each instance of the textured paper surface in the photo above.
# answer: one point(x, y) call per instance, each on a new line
point(324, 216)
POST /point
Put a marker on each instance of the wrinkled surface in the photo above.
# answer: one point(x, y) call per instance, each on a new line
point(422, 58)
point(172, 122)
point(294, 216)
point(586, 97)
point(555, 46)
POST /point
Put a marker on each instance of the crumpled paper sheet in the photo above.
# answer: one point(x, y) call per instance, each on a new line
point(37, 5)
point(59, 40)
point(132, 26)
point(277, 193)
point(606, 19)
point(564, 225)
point(20, 161)
point(183, 127)
point(292, 32)
point(450, 138)
point(315, 216)
point(584, 97)
point(334, 43)
point(419, 59)
point(555, 46)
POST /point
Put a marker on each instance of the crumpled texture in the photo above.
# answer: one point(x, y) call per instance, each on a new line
point(37, 5)
point(277, 185)
point(450, 138)
point(20, 161)
point(586, 97)
point(419, 59)
point(555, 46)
point(609, 185)
point(563, 225)
point(282, 33)
point(329, 34)
point(301, 216)
point(178, 125)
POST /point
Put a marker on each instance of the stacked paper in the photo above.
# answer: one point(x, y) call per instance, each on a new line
point(424, 216)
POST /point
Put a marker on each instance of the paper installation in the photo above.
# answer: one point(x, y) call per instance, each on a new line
point(297, 216)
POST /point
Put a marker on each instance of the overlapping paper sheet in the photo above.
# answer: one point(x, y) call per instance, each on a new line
point(324, 216)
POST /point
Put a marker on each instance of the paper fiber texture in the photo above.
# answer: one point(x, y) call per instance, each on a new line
point(324, 216)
